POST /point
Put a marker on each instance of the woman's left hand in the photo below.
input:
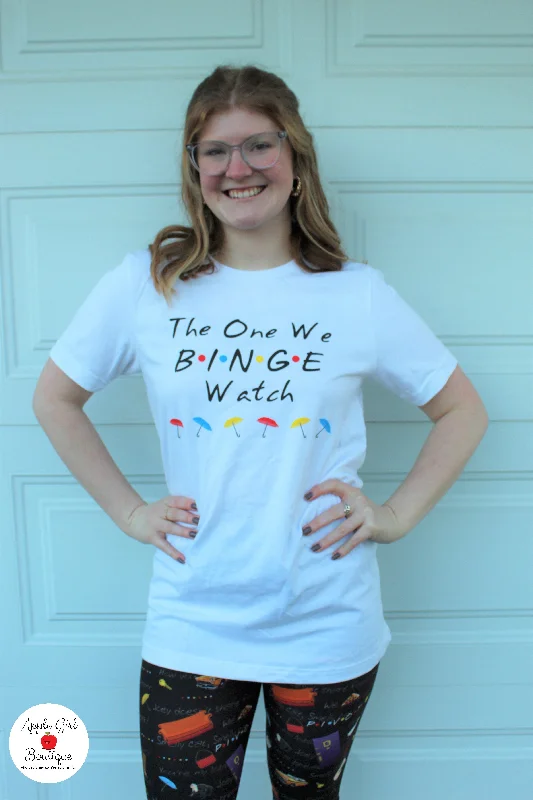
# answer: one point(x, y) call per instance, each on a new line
point(367, 520)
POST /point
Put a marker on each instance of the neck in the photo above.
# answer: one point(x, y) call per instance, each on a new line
point(262, 248)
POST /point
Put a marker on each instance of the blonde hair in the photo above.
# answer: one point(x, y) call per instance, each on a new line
point(314, 242)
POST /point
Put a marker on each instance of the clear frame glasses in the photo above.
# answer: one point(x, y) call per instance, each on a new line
point(259, 151)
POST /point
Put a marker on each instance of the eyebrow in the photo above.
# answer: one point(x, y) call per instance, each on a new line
point(220, 141)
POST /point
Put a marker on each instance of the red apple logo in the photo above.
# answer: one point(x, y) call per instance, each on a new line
point(48, 741)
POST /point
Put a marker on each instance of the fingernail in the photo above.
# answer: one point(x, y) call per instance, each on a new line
point(315, 547)
point(335, 555)
point(194, 507)
point(181, 560)
point(192, 534)
point(308, 496)
point(306, 530)
point(196, 520)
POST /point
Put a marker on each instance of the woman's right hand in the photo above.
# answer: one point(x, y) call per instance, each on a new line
point(149, 522)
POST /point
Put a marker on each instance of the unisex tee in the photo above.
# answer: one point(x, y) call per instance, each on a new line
point(254, 382)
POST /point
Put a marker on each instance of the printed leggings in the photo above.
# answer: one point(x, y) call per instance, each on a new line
point(194, 730)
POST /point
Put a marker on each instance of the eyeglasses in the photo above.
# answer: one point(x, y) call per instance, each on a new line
point(259, 151)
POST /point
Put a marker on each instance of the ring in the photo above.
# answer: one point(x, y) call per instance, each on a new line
point(347, 509)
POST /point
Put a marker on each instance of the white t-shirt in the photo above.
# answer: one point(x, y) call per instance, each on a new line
point(254, 382)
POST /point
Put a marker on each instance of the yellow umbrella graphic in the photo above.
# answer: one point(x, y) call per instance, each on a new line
point(301, 421)
point(232, 421)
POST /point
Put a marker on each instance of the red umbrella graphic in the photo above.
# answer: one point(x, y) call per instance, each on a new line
point(178, 423)
point(266, 422)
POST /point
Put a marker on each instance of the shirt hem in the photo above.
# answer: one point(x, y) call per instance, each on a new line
point(64, 359)
point(205, 665)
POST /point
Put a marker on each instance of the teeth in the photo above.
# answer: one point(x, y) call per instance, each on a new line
point(247, 193)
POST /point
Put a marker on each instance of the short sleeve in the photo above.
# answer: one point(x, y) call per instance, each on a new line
point(410, 360)
point(99, 345)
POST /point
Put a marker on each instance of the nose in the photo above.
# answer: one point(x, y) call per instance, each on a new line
point(237, 166)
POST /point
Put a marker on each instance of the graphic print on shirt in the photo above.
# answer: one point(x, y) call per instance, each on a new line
point(240, 358)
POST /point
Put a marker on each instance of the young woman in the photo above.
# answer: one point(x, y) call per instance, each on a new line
point(254, 331)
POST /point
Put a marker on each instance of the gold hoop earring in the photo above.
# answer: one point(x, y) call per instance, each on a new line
point(298, 189)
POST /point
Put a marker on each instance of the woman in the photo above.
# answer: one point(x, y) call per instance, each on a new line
point(254, 332)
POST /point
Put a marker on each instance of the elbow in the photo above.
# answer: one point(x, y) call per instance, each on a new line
point(479, 418)
point(38, 406)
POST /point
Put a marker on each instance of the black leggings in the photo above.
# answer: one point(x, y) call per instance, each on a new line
point(194, 730)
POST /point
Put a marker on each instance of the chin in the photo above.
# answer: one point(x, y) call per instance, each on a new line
point(250, 219)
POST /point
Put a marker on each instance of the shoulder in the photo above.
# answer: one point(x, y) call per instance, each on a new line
point(362, 270)
point(136, 267)
point(355, 266)
point(138, 262)
point(360, 275)
point(353, 280)
point(359, 269)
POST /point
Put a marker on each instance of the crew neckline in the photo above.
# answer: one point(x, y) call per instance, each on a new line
point(290, 267)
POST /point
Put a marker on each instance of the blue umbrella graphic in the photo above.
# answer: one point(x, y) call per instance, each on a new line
point(202, 423)
point(167, 781)
point(325, 426)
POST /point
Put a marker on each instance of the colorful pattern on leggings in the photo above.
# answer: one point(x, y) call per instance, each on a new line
point(195, 728)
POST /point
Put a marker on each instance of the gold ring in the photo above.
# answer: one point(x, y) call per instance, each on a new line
point(347, 509)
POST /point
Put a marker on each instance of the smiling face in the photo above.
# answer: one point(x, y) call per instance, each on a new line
point(269, 209)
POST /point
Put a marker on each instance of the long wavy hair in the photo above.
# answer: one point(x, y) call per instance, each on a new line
point(314, 242)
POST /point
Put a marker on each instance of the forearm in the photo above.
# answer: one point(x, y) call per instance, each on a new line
point(80, 447)
point(449, 446)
